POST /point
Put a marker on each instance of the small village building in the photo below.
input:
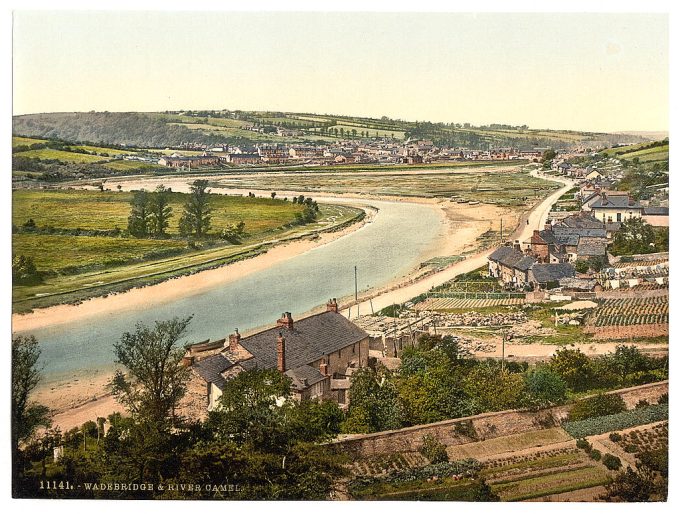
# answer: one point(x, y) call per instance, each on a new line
point(656, 216)
point(616, 207)
point(548, 276)
point(510, 266)
point(319, 353)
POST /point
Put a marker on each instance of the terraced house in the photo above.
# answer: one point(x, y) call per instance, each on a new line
point(319, 353)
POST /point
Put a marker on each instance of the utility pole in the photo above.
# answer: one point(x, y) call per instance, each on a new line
point(503, 352)
point(356, 288)
point(501, 230)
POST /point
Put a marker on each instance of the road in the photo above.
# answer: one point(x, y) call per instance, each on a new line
point(537, 218)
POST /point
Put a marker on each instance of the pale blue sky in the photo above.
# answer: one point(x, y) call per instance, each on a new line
point(604, 72)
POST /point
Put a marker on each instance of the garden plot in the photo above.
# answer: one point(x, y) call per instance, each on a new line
point(443, 304)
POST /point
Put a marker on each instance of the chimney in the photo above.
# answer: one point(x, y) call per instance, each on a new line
point(187, 361)
point(517, 245)
point(548, 226)
point(323, 367)
point(234, 341)
point(281, 353)
point(604, 198)
point(537, 233)
point(285, 321)
point(332, 305)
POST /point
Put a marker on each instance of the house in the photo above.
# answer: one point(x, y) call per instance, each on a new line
point(576, 237)
point(616, 207)
point(319, 353)
point(243, 158)
point(510, 265)
point(180, 161)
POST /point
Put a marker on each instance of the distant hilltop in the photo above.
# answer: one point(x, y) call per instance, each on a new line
point(176, 128)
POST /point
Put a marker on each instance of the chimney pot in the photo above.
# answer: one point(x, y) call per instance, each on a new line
point(234, 341)
point(285, 321)
point(332, 305)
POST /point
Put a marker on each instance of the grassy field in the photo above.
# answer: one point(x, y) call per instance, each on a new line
point(94, 210)
point(25, 141)
point(123, 165)
point(82, 266)
point(49, 153)
point(57, 252)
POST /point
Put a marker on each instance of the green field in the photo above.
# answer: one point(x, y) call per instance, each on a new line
point(94, 210)
point(57, 252)
point(49, 153)
point(25, 141)
point(81, 265)
point(123, 165)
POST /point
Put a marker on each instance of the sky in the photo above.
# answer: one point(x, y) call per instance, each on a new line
point(598, 72)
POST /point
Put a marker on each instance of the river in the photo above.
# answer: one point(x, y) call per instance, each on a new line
point(400, 234)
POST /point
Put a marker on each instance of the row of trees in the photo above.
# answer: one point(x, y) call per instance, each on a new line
point(150, 212)
point(433, 383)
point(636, 236)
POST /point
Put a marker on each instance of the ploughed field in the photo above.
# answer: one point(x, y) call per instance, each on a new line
point(78, 239)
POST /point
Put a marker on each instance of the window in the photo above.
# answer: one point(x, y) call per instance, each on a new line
point(339, 353)
point(618, 216)
point(354, 348)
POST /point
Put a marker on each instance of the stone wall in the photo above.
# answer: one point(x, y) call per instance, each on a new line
point(482, 426)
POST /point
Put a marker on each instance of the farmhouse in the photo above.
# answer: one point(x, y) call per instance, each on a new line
point(319, 353)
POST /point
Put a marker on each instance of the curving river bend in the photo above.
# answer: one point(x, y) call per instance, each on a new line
point(388, 247)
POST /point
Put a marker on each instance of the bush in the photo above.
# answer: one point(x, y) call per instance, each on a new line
point(582, 444)
point(630, 448)
point(433, 450)
point(600, 405)
point(611, 461)
point(615, 437)
point(595, 454)
point(641, 404)
point(663, 399)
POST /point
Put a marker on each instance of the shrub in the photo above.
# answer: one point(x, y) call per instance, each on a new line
point(582, 444)
point(434, 450)
point(663, 398)
point(615, 437)
point(642, 403)
point(630, 448)
point(611, 461)
point(595, 454)
point(600, 405)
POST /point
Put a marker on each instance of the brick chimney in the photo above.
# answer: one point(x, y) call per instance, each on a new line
point(281, 353)
point(285, 321)
point(332, 305)
point(187, 361)
point(234, 341)
point(548, 226)
point(323, 367)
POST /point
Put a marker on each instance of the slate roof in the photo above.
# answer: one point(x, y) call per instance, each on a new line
point(591, 248)
point(512, 258)
point(615, 202)
point(655, 211)
point(305, 376)
point(211, 369)
point(544, 273)
point(581, 221)
point(311, 338)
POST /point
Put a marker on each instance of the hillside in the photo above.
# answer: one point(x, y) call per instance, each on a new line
point(159, 130)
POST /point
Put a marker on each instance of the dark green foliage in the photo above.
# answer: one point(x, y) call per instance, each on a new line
point(140, 214)
point(574, 367)
point(24, 271)
point(596, 455)
point(374, 402)
point(545, 387)
point(155, 380)
point(433, 450)
point(611, 461)
point(196, 217)
point(631, 486)
point(615, 437)
point(636, 236)
point(599, 405)
point(620, 421)
point(582, 444)
point(160, 211)
point(581, 266)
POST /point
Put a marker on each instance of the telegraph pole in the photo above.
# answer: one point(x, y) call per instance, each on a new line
point(356, 289)
point(501, 230)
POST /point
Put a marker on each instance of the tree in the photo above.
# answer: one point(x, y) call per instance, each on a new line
point(248, 410)
point(160, 211)
point(27, 416)
point(574, 367)
point(635, 236)
point(631, 486)
point(599, 405)
point(24, 270)
point(545, 387)
point(273, 194)
point(493, 388)
point(156, 380)
point(196, 217)
point(140, 214)
point(373, 402)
